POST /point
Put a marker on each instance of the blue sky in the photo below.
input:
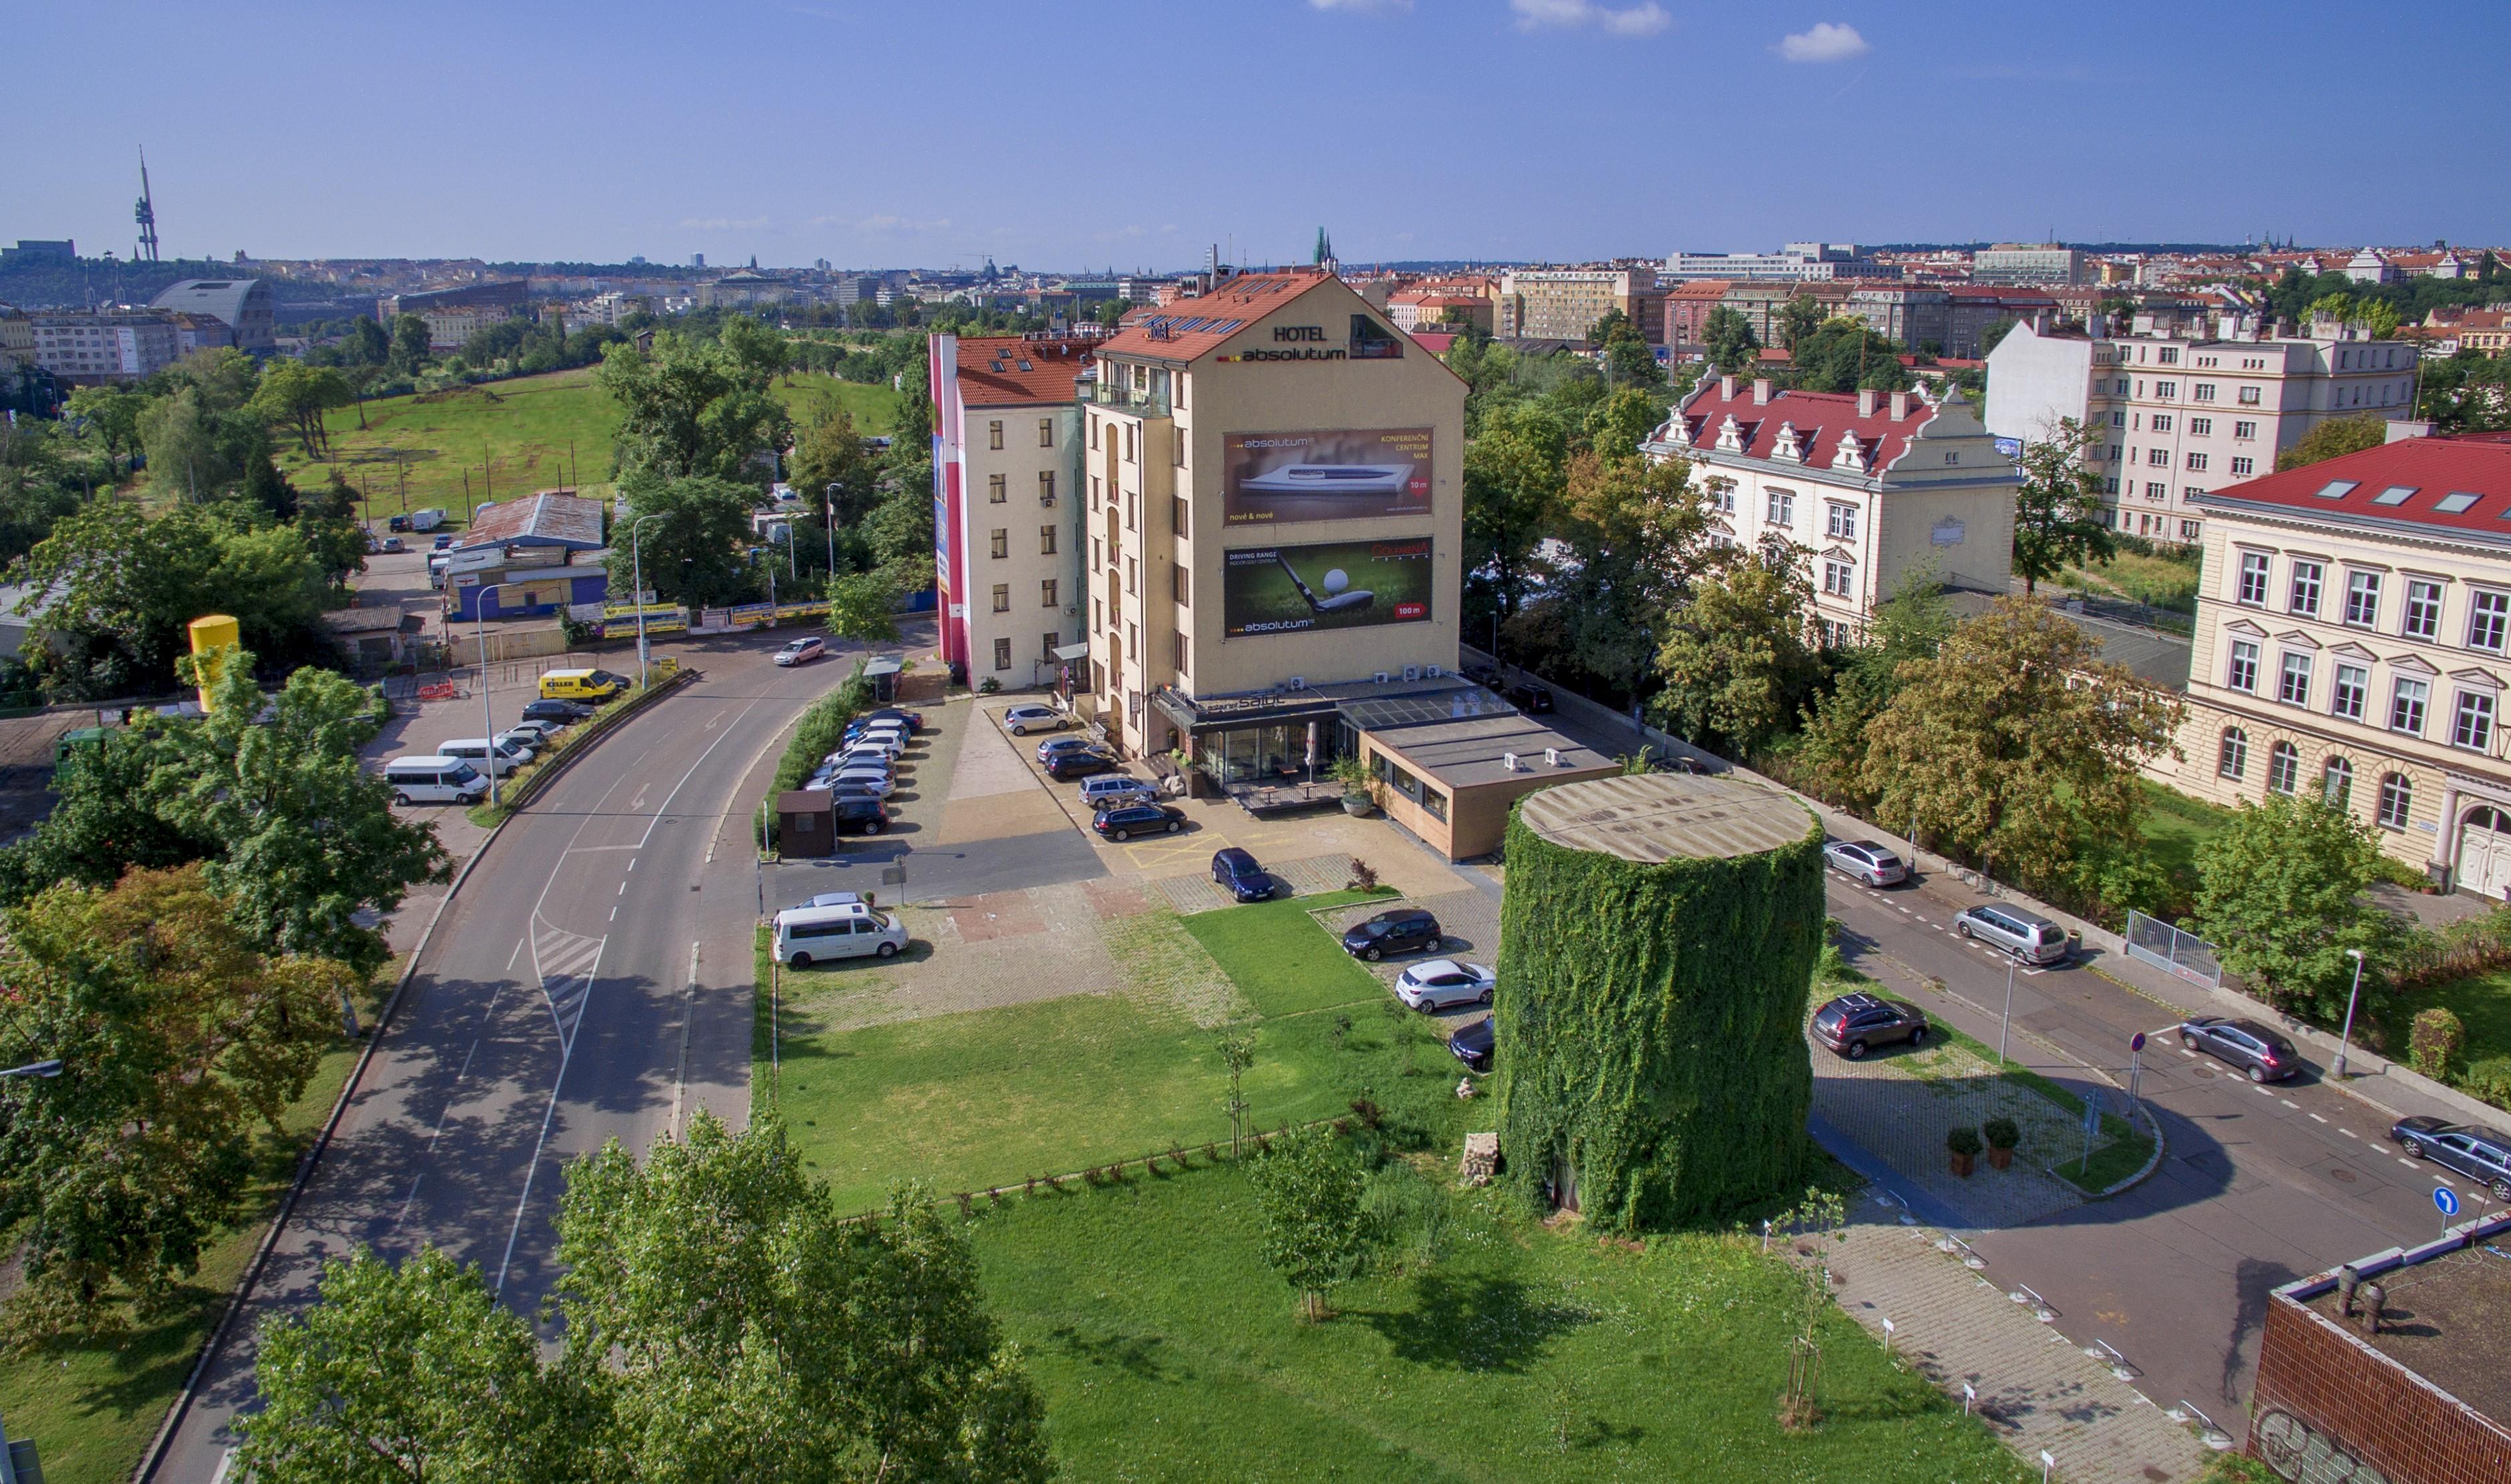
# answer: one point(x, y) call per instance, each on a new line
point(1133, 133)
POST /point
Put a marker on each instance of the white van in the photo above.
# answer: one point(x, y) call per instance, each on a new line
point(852, 930)
point(477, 752)
point(434, 780)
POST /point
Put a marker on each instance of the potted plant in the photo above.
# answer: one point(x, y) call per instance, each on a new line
point(1359, 788)
point(2002, 1135)
point(1963, 1144)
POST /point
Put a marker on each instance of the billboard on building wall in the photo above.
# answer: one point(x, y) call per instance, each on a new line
point(1324, 585)
point(1347, 474)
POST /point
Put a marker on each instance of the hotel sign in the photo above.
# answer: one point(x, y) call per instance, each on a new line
point(1369, 341)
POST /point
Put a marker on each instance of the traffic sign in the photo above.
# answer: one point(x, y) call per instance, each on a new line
point(2445, 1200)
point(2135, 1042)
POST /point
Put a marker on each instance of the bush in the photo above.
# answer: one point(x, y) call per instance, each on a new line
point(2468, 946)
point(817, 733)
point(2002, 1133)
point(2434, 1041)
point(1962, 1140)
point(2491, 1080)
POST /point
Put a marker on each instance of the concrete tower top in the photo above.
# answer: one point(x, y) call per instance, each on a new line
point(1653, 817)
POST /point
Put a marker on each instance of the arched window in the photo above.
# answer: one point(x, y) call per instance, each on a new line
point(2284, 768)
point(2337, 783)
point(2489, 818)
point(2235, 757)
point(2396, 797)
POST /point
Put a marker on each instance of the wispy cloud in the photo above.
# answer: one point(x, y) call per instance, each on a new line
point(1362, 7)
point(723, 223)
point(1644, 20)
point(1825, 41)
point(885, 222)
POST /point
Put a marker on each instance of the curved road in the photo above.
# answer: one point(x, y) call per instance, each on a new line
point(591, 980)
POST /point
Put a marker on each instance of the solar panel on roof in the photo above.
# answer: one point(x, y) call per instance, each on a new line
point(2455, 502)
point(2337, 489)
point(2395, 494)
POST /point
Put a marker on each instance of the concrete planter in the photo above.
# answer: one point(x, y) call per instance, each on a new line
point(1357, 805)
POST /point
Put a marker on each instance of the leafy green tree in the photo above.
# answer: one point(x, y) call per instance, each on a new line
point(367, 343)
point(694, 410)
point(177, 1040)
point(695, 553)
point(294, 396)
point(181, 443)
point(1843, 355)
point(1618, 426)
point(828, 453)
point(864, 606)
point(42, 476)
point(1910, 624)
point(2017, 744)
point(103, 823)
point(1317, 1231)
point(1728, 337)
point(762, 354)
point(1514, 474)
point(1736, 662)
point(2469, 392)
point(222, 377)
point(2058, 516)
point(1635, 532)
point(1630, 363)
point(113, 412)
point(412, 345)
point(2333, 439)
point(900, 531)
point(416, 1372)
point(2282, 895)
point(1610, 322)
point(1798, 318)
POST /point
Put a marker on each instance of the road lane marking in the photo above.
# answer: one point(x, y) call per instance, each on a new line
point(684, 779)
point(615, 913)
point(403, 1214)
point(2316, 1118)
point(2288, 1102)
point(688, 1013)
point(2192, 1055)
point(2261, 1088)
point(517, 953)
point(2408, 1163)
point(2349, 1133)
point(632, 864)
point(565, 1055)
point(622, 888)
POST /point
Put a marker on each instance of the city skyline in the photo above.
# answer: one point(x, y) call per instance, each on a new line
point(1128, 135)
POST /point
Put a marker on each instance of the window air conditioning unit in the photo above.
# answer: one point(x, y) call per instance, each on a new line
point(1411, 672)
point(1381, 677)
point(1298, 683)
point(1434, 672)
point(1508, 763)
point(1552, 754)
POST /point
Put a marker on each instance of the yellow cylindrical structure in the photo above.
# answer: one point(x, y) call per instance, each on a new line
point(210, 632)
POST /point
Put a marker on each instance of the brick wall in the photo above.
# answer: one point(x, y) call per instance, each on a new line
point(2327, 1407)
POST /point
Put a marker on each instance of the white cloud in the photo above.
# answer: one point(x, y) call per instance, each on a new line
point(723, 223)
point(1825, 41)
point(888, 223)
point(1364, 7)
point(1643, 19)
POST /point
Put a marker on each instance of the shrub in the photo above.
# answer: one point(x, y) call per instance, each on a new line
point(1370, 1116)
point(988, 685)
point(2002, 1133)
point(2433, 1043)
point(817, 733)
point(2490, 1080)
point(1964, 1140)
point(1364, 877)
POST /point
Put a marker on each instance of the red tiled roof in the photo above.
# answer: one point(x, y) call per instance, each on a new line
point(1702, 288)
point(1188, 328)
point(1998, 291)
point(1009, 370)
point(1820, 420)
point(2452, 485)
point(1435, 341)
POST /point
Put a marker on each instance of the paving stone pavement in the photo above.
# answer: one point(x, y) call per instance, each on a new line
point(1311, 877)
point(2037, 1389)
point(1902, 1102)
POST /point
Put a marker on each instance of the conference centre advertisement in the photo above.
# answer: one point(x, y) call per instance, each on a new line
point(1270, 479)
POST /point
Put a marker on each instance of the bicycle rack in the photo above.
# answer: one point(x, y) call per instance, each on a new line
point(2213, 1437)
point(2040, 1308)
point(2108, 1354)
point(1970, 1258)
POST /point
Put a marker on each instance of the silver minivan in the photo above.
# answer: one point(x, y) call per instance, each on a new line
point(2027, 935)
point(1110, 789)
point(434, 780)
point(476, 751)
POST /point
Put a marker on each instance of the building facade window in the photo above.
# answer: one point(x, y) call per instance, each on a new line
point(2249, 396)
point(2407, 705)
point(2157, 459)
point(1182, 586)
point(995, 434)
point(1046, 540)
point(1133, 574)
point(2197, 463)
point(998, 488)
point(1839, 579)
point(2203, 391)
point(2345, 699)
point(2162, 422)
point(1045, 432)
point(1053, 643)
point(2233, 758)
point(1782, 508)
point(1843, 522)
point(2243, 673)
point(1002, 654)
point(1182, 534)
point(2363, 599)
point(1046, 487)
point(2243, 468)
point(2423, 611)
point(2337, 783)
point(2254, 580)
point(1047, 595)
point(2472, 727)
point(2188, 530)
point(2166, 390)
point(2293, 687)
point(1002, 597)
point(1001, 540)
point(2306, 579)
point(2488, 612)
point(2244, 429)
point(2284, 768)
point(2396, 796)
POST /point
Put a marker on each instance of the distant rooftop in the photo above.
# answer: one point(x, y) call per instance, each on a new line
point(1657, 817)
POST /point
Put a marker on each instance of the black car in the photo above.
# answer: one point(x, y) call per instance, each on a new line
point(1127, 820)
point(2263, 1053)
point(1237, 870)
point(2481, 1153)
point(1532, 699)
point(1078, 765)
point(1472, 1045)
point(859, 812)
point(565, 713)
point(1405, 930)
point(399, 523)
point(1854, 1023)
point(914, 719)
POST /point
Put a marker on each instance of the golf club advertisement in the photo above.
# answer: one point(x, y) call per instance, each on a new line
point(1347, 475)
point(1329, 585)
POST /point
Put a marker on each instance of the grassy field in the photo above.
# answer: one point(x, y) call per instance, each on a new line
point(453, 449)
point(92, 1408)
point(2481, 1001)
point(1496, 1349)
point(2159, 581)
point(2175, 825)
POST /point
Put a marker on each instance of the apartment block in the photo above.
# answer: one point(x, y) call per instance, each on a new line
point(2183, 415)
point(1006, 515)
point(110, 345)
point(1797, 262)
point(2029, 263)
point(1565, 303)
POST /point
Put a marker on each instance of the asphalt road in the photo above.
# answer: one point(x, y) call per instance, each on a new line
point(591, 980)
point(2259, 1186)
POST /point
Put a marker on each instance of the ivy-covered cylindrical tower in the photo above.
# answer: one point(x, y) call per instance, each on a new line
point(1657, 941)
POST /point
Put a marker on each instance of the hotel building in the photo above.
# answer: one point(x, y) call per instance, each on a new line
point(1007, 523)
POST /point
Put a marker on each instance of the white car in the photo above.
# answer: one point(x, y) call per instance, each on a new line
point(802, 651)
point(880, 746)
point(538, 733)
point(835, 899)
point(1442, 983)
point(1020, 721)
point(875, 781)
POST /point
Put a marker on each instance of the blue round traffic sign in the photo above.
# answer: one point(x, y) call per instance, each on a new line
point(2445, 1199)
point(2135, 1042)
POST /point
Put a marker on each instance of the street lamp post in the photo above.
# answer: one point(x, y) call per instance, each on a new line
point(636, 561)
point(2005, 1022)
point(47, 1068)
point(480, 624)
point(2346, 1039)
point(829, 519)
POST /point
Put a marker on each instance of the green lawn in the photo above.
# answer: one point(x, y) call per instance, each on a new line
point(2175, 825)
point(2159, 581)
point(457, 446)
point(1281, 960)
point(2481, 1001)
point(1496, 1350)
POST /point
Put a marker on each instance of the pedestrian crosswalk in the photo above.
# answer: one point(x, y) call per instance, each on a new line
point(564, 963)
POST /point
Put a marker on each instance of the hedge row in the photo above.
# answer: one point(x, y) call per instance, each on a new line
point(817, 733)
point(1651, 1031)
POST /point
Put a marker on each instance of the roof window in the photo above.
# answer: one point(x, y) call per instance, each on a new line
point(2455, 502)
point(2337, 489)
point(2395, 494)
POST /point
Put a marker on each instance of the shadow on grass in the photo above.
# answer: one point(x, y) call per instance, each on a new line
point(1136, 1355)
point(1472, 1323)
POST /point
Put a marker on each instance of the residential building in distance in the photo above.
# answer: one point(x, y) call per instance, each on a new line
point(1565, 303)
point(1688, 307)
point(1797, 262)
point(241, 304)
point(1006, 507)
point(1869, 485)
point(2353, 640)
point(2010, 262)
point(16, 339)
point(108, 345)
point(2186, 413)
point(454, 315)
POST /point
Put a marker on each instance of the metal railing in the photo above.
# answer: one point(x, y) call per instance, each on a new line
point(2181, 954)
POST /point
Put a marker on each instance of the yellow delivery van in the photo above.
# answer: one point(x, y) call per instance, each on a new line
point(581, 685)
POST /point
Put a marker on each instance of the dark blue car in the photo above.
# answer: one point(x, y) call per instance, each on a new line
point(1237, 870)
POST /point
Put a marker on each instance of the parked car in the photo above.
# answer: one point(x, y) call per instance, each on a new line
point(1402, 930)
point(859, 814)
point(802, 651)
point(1532, 699)
point(1473, 1045)
point(444, 541)
point(1048, 749)
point(1869, 862)
point(526, 737)
point(393, 545)
point(2481, 1153)
point(1441, 983)
point(1116, 788)
point(879, 727)
point(501, 758)
point(434, 780)
point(1240, 875)
point(914, 719)
point(595, 685)
point(879, 744)
point(549, 709)
point(1020, 721)
point(1853, 1024)
point(542, 733)
point(863, 780)
point(836, 899)
point(398, 522)
point(2026, 934)
point(2265, 1053)
point(1066, 766)
point(805, 934)
point(1485, 676)
point(1127, 820)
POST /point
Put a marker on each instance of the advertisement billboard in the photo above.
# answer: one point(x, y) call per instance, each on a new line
point(1324, 585)
point(1342, 475)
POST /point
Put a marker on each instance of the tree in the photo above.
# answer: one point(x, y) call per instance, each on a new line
point(103, 823)
point(1618, 426)
point(1637, 535)
point(1910, 624)
point(1317, 1234)
point(828, 459)
point(693, 410)
point(42, 477)
point(114, 414)
point(414, 1373)
point(1736, 660)
point(175, 1039)
point(180, 442)
point(1514, 474)
point(2282, 894)
point(2017, 744)
point(1728, 337)
point(367, 343)
point(410, 344)
point(1610, 322)
point(1821, 1217)
point(1843, 355)
point(1797, 318)
point(695, 554)
point(2334, 439)
point(2058, 516)
point(864, 606)
point(294, 395)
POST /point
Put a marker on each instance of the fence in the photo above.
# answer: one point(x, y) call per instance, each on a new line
point(2172, 950)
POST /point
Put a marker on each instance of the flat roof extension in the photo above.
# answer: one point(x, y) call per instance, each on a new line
point(1470, 751)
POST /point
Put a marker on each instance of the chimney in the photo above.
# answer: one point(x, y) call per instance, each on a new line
point(1899, 406)
point(1725, 388)
point(1761, 391)
point(1865, 400)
